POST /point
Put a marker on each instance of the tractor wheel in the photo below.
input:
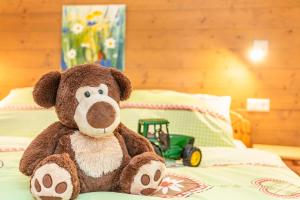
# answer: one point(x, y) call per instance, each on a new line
point(157, 149)
point(191, 156)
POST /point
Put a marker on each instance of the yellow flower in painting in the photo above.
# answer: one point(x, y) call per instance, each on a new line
point(97, 13)
point(90, 16)
point(71, 54)
point(77, 28)
point(110, 43)
point(94, 14)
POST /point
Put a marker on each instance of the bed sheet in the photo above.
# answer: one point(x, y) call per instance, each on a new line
point(225, 173)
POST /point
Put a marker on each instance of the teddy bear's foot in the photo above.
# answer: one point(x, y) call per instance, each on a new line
point(55, 178)
point(143, 174)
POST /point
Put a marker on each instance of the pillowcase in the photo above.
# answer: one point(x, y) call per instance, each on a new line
point(219, 104)
point(186, 114)
point(18, 96)
point(25, 122)
point(21, 116)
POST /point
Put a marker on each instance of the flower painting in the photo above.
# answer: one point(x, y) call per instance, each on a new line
point(93, 33)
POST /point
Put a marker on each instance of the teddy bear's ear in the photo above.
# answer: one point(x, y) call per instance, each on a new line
point(45, 90)
point(123, 82)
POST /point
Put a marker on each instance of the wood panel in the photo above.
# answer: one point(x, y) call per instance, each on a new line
point(210, 18)
point(41, 6)
point(196, 46)
point(150, 59)
point(237, 39)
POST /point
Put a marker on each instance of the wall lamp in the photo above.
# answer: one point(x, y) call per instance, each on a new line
point(259, 50)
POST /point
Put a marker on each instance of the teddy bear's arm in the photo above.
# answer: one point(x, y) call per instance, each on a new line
point(41, 147)
point(136, 144)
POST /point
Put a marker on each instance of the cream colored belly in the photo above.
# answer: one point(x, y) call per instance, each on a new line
point(96, 157)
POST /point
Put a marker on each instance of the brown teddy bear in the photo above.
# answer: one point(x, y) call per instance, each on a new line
point(88, 149)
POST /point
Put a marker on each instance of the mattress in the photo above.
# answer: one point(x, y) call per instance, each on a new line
point(225, 173)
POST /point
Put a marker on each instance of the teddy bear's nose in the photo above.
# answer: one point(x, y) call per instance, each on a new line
point(101, 115)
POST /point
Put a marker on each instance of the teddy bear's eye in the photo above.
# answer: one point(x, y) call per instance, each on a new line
point(100, 91)
point(87, 94)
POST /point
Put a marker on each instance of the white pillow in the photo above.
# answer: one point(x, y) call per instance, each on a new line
point(218, 104)
point(18, 96)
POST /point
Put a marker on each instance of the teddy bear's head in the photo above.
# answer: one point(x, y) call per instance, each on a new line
point(85, 97)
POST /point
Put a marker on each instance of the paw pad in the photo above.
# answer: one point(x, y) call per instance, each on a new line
point(157, 175)
point(37, 185)
point(145, 179)
point(51, 181)
point(47, 181)
point(148, 191)
point(61, 187)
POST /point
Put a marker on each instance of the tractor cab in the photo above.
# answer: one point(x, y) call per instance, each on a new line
point(171, 146)
point(157, 131)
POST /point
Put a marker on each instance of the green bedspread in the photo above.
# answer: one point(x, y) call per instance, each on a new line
point(247, 181)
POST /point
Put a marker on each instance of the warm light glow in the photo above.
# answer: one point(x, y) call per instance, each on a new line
point(259, 50)
point(257, 54)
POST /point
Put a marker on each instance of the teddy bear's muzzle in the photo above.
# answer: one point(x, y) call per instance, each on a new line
point(101, 115)
point(96, 114)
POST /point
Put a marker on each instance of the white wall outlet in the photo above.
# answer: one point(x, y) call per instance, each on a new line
point(258, 105)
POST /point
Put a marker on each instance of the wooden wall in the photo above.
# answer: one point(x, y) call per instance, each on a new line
point(190, 45)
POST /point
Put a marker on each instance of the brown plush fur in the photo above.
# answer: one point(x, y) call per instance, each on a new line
point(124, 84)
point(83, 75)
point(137, 143)
point(54, 143)
point(42, 146)
point(44, 93)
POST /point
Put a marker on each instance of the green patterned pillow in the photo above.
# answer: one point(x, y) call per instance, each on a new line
point(186, 115)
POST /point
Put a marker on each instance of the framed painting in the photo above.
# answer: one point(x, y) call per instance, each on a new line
point(93, 33)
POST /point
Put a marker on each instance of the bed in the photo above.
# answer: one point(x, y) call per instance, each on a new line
point(228, 169)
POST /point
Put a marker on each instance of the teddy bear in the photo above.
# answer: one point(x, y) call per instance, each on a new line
point(88, 149)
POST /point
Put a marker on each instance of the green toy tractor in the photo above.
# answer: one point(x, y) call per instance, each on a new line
point(170, 146)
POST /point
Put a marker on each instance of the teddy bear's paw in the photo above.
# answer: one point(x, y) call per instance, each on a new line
point(148, 178)
point(51, 182)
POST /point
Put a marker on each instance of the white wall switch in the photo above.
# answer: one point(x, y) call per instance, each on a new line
point(258, 105)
